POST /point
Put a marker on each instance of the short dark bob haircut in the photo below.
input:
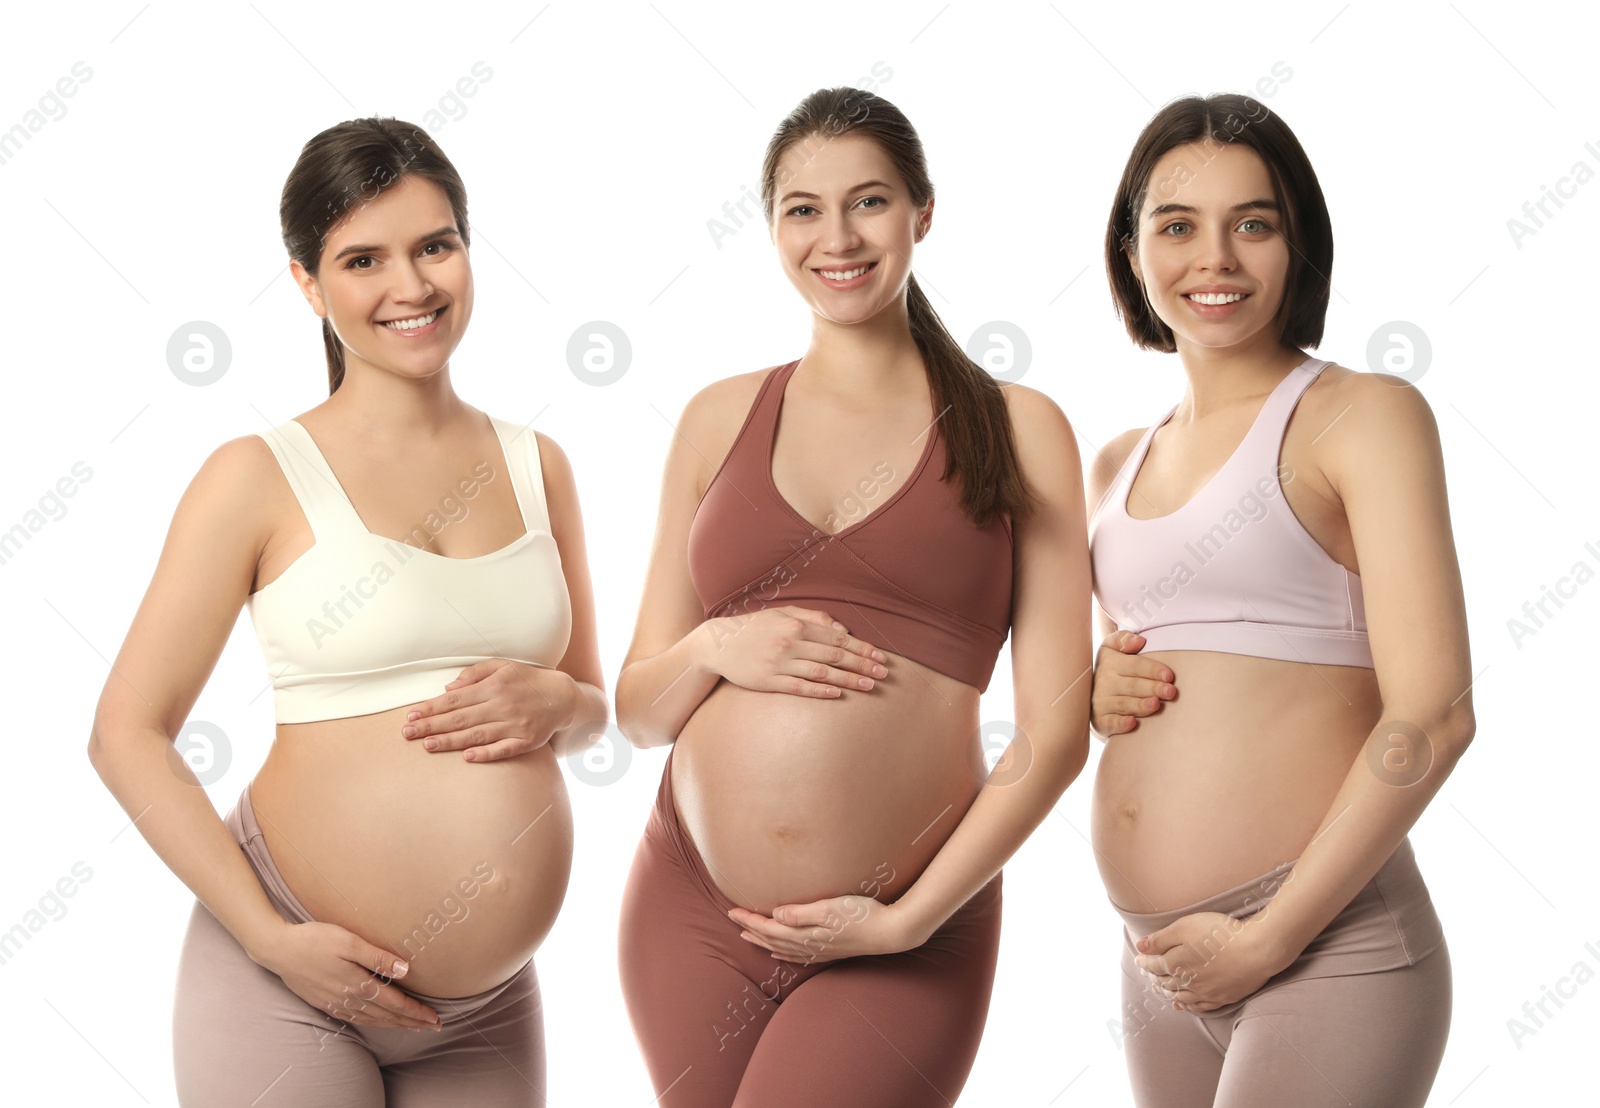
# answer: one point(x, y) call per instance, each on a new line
point(1210, 122)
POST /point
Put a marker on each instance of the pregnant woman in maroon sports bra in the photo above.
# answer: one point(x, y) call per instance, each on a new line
point(1280, 540)
point(813, 915)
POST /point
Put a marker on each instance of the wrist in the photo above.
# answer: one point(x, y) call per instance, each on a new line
point(263, 941)
point(1268, 943)
point(704, 643)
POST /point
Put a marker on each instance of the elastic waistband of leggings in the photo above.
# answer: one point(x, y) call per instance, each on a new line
point(664, 825)
point(1389, 923)
point(242, 822)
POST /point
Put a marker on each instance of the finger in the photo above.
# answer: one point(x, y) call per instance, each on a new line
point(820, 673)
point(1130, 705)
point(1115, 725)
point(430, 717)
point(405, 1008)
point(855, 667)
point(500, 750)
point(469, 736)
point(365, 1013)
point(821, 627)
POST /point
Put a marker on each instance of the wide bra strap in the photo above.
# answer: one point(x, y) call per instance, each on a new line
point(321, 497)
point(521, 447)
point(1260, 451)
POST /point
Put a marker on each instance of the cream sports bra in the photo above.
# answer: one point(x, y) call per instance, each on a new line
point(360, 623)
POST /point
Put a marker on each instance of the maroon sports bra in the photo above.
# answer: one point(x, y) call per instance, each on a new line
point(914, 576)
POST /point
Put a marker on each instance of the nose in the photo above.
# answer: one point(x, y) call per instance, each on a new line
point(411, 285)
point(1215, 250)
point(839, 233)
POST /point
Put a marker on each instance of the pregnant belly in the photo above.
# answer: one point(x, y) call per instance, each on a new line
point(791, 799)
point(1229, 780)
point(457, 867)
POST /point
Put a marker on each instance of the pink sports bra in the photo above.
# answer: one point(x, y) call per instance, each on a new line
point(914, 575)
point(1232, 570)
point(361, 623)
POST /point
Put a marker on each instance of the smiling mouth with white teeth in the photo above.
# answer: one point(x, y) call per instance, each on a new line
point(413, 323)
point(1214, 298)
point(846, 274)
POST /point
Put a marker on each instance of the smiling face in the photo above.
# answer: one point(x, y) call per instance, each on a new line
point(397, 259)
point(1210, 252)
point(844, 224)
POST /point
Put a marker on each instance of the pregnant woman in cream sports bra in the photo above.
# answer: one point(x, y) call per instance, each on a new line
point(1278, 547)
point(367, 913)
point(844, 542)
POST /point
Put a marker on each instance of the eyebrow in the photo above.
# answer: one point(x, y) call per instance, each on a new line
point(442, 232)
point(813, 196)
point(1164, 209)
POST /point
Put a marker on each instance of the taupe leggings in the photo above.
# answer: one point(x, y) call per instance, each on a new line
point(1359, 1019)
point(241, 1038)
point(721, 1022)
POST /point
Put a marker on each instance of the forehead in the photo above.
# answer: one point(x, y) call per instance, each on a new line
point(1208, 176)
point(413, 206)
point(821, 163)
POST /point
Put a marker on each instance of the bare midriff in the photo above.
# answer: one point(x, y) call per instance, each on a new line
point(1228, 781)
point(457, 867)
point(792, 799)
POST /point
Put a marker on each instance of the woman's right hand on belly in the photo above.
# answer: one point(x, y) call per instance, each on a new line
point(1126, 686)
point(790, 650)
point(332, 970)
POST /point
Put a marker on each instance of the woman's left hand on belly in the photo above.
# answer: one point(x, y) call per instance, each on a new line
point(1205, 960)
point(495, 709)
point(826, 930)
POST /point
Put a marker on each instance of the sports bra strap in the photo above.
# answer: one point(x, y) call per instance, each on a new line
point(321, 497)
point(527, 475)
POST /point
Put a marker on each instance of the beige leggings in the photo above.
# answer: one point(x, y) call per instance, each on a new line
point(241, 1037)
point(1359, 1019)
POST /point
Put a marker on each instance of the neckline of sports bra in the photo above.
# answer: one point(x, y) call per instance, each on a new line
point(321, 460)
point(1150, 437)
point(772, 441)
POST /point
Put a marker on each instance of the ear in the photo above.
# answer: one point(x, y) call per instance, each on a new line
point(309, 288)
point(924, 219)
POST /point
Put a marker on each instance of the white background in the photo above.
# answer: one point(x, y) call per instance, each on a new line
point(606, 138)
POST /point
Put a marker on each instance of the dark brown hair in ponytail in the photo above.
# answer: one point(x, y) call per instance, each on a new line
point(976, 429)
point(344, 167)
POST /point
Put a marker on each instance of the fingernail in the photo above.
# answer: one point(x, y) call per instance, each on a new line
point(409, 732)
point(414, 715)
point(399, 969)
point(431, 744)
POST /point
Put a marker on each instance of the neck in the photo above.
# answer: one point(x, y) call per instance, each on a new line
point(875, 356)
point(377, 402)
point(1220, 378)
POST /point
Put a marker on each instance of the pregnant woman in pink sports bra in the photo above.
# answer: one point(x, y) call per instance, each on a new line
point(1278, 546)
point(415, 570)
point(813, 915)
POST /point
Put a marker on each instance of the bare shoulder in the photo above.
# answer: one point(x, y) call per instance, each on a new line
point(242, 480)
point(1046, 444)
point(1109, 460)
point(1373, 405)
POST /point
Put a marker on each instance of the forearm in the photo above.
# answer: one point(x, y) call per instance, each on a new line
point(1395, 775)
point(656, 696)
point(586, 713)
point(998, 823)
point(157, 790)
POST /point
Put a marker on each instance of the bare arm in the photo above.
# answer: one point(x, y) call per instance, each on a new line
point(200, 584)
point(1388, 469)
point(201, 581)
point(1050, 662)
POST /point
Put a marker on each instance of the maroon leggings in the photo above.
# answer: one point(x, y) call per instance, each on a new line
point(721, 1022)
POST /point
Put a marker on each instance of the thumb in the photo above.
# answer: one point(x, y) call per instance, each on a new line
point(1157, 942)
point(801, 915)
point(1126, 642)
point(381, 961)
point(475, 672)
